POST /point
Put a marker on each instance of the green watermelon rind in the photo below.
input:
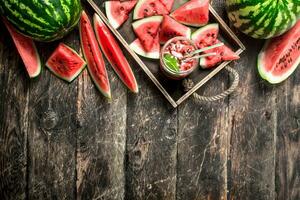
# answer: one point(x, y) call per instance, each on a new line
point(141, 52)
point(268, 76)
point(45, 24)
point(250, 25)
point(76, 74)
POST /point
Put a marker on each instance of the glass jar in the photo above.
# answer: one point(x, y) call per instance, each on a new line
point(189, 46)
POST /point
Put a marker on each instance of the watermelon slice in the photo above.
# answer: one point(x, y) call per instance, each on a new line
point(223, 53)
point(147, 8)
point(168, 4)
point(65, 63)
point(171, 28)
point(117, 12)
point(146, 30)
point(193, 13)
point(280, 56)
point(206, 36)
point(93, 56)
point(114, 54)
point(138, 48)
point(27, 51)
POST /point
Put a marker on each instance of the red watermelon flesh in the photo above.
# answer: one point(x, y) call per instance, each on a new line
point(193, 13)
point(137, 47)
point(146, 30)
point(171, 28)
point(168, 4)
point(65, 63)
point(117, 12)
point(206, 36)
point(93, 56)
point(26, 49)
point(223, 53)
point(147, 8)
point(280, 56)
point(114, 54)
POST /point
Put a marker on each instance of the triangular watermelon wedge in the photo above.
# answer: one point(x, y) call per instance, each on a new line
point(26, 49)
point(146, 30)
point(117, 12)
point(193, 13)
point(147, 8)
point(223, 53)
point(137, 47)
point(171, 28)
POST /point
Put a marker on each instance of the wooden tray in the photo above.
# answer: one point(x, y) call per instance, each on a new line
point(172, 90)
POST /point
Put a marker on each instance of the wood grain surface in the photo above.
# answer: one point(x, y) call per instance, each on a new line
point(65, 141)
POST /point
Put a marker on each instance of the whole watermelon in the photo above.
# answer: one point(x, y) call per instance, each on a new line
point(42, 20)
point(263, 18)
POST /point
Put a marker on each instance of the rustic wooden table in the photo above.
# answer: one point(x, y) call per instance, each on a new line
point(60, 141)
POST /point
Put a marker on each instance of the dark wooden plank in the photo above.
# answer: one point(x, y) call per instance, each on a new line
point(52, 132)
point(252, 136)
point(13, 120)
point(151, 144)
point(101, 139)
point(202, 145)
point(288, 139)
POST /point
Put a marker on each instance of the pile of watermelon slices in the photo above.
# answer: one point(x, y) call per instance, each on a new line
point(155, 23)
point(67, 64)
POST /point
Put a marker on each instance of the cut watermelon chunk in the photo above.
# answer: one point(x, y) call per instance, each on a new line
point(280, 56)
point(93, 56)
point(206, 36)
point(171, 28)
point(138, 48)
point(193, 13)
point(117, 12)
point(65, 63)
point(223, 53)
point(27, 51)
point(146, 30)
point(114, 54)
point(168, 4)
point(147, 8)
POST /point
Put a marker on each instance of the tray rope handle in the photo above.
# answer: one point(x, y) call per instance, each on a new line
point(189, 84)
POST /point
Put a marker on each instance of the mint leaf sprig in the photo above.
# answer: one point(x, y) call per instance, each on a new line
point(171, 62)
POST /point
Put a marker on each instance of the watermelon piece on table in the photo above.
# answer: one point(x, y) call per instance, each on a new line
point(27, 50)
point(206, 35)
point(114, 54)
point(65, 63)
point(146, 30)
point(117, 12)
point(93, 56)
point(280, 56)
point(193, 13)
point(147, 8)
point(138, 48)
point(223, 53)
point(171, 28)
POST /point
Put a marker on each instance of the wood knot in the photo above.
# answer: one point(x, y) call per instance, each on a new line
point(138, 155)
point(49, 120)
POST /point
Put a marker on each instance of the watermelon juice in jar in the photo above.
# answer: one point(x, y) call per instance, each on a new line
point(174, 62)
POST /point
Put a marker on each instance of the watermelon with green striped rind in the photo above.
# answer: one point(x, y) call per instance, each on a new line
point(43, 20)
point(263, 18)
